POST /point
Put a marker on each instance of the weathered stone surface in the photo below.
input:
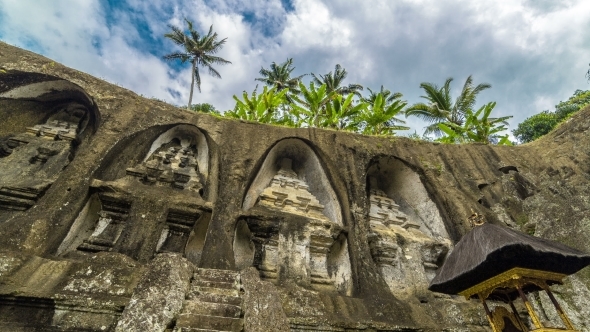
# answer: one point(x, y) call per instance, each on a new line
point(159, 296)
point(541, 188)
point(63, 295)
point(262, 305)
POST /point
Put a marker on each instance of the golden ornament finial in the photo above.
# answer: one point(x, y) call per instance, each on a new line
point(476, 219)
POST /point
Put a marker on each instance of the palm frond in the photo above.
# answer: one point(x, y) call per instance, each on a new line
point(199, 49)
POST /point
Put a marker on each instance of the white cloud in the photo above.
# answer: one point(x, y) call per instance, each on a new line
point(312, 25)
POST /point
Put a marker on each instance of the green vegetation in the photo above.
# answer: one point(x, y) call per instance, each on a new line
point(334, 81)
point(379, 118)
point(341, 113)
point(441, 109)
point(327, 102)
point(477, 127)
point(259, 107)
point(279, 76)
point(204, 108)
point(198, 50)
point(327, 105)
point(542, 123)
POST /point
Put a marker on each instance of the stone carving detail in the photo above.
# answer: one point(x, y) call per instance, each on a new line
point(56, 129)
point(311, 246)
point(290, 194)
point(31, 161)
point(384, 249)
point(265, 235)
point(321, 240)
point(110, 225)
point(175, 234)
point(385, 212)
point(174, 166)
point(399, 247)
point(166, 193)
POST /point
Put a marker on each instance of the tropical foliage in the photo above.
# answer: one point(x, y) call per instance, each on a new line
point(387, 95)
point(478, 126)
point(542, 123)
point(259, 107)
point(316, 107)
point(310, 107)
point(279, 76)
point(342, 113)
point(199, 50)
point(204, 108)
point(376, 114)
point(380, 117)
point(327, 102)
point(334, 82)
point(441, 108)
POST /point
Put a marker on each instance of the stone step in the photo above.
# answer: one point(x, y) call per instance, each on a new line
point(215, 284)
point(192, 329)
point(209, 322)
point(215, 298)
point(217, 275)
point(221, 291)
point(211, 309)
point(16, 327)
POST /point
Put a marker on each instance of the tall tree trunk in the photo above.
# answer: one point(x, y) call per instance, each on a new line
point(190, 97)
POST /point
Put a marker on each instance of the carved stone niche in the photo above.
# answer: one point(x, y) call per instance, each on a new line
point(178, 158)
point(99, 225)
point(32, 160)
point(292, 227)
point(43, 120)
point(179, 224)
point(175, 166)
point(407, 238)
point(184, 233)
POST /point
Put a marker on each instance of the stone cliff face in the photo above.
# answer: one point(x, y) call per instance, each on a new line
point(124, 213)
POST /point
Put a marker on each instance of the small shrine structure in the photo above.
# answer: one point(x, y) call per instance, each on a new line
point(497, 263)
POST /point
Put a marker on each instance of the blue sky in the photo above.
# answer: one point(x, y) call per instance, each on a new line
point(534, 53)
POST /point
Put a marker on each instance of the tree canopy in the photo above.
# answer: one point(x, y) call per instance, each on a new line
point(477, 127)
point(199, 50)
point(279, 76)
point(542, 123)
point(204, 108)
point(327, 102)
point(440, 107)
point(334, 82)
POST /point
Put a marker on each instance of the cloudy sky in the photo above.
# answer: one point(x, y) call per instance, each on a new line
point(533, 52)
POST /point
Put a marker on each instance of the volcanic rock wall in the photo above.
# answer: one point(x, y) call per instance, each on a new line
point(124, 213)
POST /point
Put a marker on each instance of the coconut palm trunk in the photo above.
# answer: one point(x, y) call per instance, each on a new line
point(199, 50)
point(190, 97)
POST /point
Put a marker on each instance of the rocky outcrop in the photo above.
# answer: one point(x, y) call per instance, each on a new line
point(348, 229)
point(159, 297)
point(262, 305)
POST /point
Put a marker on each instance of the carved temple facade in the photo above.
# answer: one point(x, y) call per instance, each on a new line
point(110, 210)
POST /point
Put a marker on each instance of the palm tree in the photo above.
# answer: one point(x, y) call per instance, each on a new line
point(440, 107)
point(259, 107)
point(342, 113)
point(389, 97)
point(379, 119)
point(311, 106)
point(279, 76)
point(477, 127)
point(333, 82)
point(198, 50)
